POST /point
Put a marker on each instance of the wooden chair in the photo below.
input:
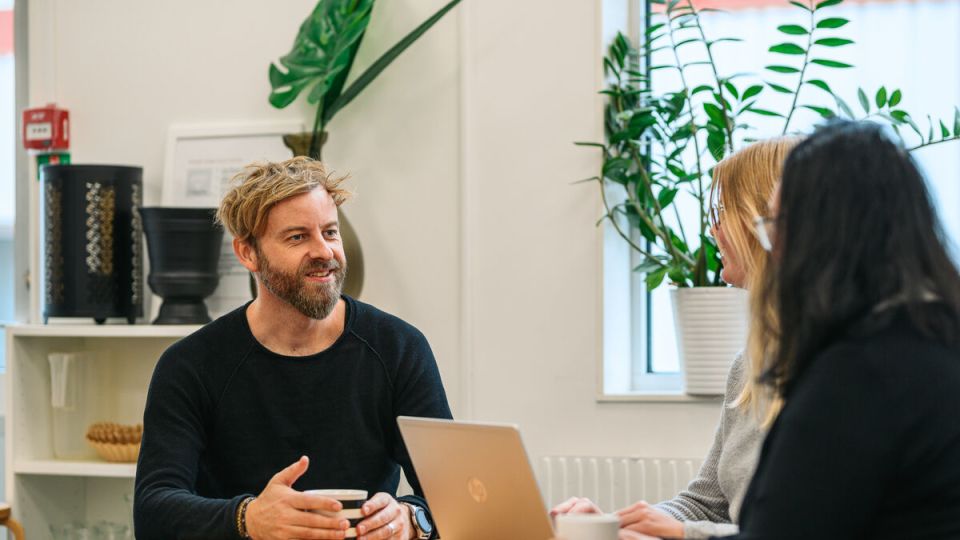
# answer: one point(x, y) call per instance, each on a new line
point(6, 521)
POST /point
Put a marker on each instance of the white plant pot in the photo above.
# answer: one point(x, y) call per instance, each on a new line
point(711, 326)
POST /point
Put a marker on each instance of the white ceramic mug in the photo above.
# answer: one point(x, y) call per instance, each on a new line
point(587, 527)
point(351, 499)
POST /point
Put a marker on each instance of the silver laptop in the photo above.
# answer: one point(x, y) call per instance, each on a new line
point(477, 479)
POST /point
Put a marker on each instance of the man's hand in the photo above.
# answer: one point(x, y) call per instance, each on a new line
point(575, 505)
point(384, 518)
point(278, 513)
point(644, 518)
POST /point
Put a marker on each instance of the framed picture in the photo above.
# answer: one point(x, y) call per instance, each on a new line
point(200, 162)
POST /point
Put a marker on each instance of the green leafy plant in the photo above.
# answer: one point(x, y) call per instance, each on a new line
point(662, 145)
point(321, 59)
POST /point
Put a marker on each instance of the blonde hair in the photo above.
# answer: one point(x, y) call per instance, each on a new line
point(260, 186)
point(743, 184)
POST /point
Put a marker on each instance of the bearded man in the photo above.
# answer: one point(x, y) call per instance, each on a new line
point(296, 390)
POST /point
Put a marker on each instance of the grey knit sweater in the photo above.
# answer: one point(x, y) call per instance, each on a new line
point(711, 503)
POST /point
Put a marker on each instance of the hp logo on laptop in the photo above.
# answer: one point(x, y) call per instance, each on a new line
point(477, 490)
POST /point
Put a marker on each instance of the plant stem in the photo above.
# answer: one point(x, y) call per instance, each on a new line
point(931, 143)
point(317, 133)
point(613, 220)
point(696, 142)
point(648, 184)
point(803, 70)
point(716, 75)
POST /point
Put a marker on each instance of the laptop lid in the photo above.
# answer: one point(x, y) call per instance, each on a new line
point(477, 479)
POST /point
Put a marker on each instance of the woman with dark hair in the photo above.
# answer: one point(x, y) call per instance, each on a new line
point(867, 444)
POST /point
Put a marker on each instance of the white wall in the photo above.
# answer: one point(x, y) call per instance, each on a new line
point(463, 160)
point(534, 260)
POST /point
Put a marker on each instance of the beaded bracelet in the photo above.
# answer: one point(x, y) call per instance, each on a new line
point(242, 517)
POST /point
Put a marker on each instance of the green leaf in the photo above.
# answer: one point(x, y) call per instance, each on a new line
point(793, 29)
point(788, 48)
point(677, 275)
point(832, 22)
point(721, 40)
point(655, 278)
point(956, 122)
point(819, 84)
point(648, 265)
point(764, 112)
point(778, 88)
point(944, 132)
point(783, 69)
point(716, 144)
point(930, 123)
point(900, 116)
point(833, 42)
point(843, 106)
point(895, 98)
point(654, 27)
point(666, 196)
point(715, 113)
point(801, 6)
point(322, 52)
point(822, 111)
point(385, 60)
point(827, 3)
point(732, 89)
point(598, 145)
point(752, 91)
point(830, 63)
point(864, 102)
point(701, 88)
point(881, 97)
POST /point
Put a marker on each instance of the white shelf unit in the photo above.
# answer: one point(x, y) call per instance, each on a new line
point(47, 491)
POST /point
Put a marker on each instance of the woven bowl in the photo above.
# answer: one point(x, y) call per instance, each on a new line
point(117, 453)
point(115, 442)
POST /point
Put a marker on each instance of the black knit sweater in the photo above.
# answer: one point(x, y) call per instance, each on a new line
point(224, 414)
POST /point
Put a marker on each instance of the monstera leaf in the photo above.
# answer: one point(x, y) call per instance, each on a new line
point(323, 54)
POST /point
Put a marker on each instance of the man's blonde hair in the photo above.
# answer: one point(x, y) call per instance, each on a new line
point(259, 186)
point(743, 184)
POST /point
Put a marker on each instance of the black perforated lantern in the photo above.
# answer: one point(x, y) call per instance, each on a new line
point(93, 247)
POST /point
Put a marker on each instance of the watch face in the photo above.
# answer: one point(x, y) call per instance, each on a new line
point(422, 522)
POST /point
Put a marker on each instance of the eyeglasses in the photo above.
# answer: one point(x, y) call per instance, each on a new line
point(765, 228)
point(716, 210)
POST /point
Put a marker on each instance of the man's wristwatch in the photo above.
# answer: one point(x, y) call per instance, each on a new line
point(421, 523)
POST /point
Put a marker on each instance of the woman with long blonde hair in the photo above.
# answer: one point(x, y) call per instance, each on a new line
point(743, 184)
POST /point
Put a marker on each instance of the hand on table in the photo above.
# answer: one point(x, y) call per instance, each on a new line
point(384, 518)
point(627, 534)
point(646, 519)
point(576, 505)
point(279, 512)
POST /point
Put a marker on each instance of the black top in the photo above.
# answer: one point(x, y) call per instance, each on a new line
point(867, 446)
point(224, 414)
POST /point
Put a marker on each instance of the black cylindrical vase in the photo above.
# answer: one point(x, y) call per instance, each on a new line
point(92, 241)
point(184, 249)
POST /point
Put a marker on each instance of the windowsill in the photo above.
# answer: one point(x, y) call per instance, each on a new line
point(657, 397)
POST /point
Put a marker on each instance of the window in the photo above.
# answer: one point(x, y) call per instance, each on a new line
point(8, 141)
point(911, 45)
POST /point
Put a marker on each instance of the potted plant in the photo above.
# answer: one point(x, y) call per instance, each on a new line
point(662, 145)
point(319, 63)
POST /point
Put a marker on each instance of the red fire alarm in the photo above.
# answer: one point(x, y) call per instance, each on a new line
point(46, 128)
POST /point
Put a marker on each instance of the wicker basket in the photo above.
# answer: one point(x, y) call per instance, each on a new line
point(115, 442)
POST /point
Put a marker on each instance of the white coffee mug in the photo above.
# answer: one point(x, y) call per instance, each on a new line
point(351, 499)
point(587, 527)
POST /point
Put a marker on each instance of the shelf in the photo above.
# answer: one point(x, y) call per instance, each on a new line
point(53, 467)
point(103, 330)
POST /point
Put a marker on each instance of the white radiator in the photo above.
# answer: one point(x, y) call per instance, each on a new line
point(613, 482)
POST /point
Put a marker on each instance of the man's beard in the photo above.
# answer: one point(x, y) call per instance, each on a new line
point(315, 300)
